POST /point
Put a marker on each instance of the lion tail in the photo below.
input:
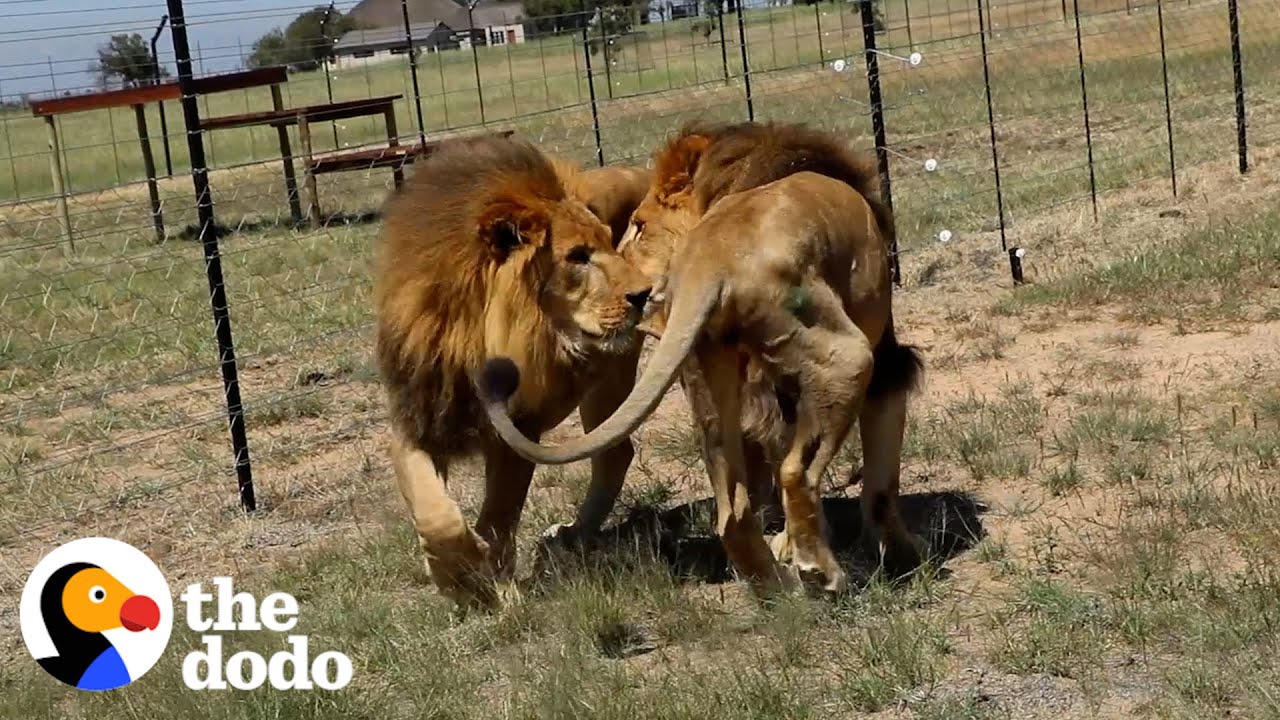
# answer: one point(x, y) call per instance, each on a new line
point(500, 379)
point(897, 368)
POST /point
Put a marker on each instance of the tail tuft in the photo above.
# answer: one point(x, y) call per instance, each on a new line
point(499, 380)
point(898, 368)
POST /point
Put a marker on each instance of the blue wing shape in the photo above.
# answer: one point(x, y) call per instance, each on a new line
point(106, 672)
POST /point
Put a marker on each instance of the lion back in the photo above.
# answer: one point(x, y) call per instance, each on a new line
point(747, 155)
point(432, 280)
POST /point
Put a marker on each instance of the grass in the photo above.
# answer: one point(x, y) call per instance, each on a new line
point(554, 655)
point(1049, 629)
point(1205, 278)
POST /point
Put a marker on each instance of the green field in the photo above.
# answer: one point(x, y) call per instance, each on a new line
point(1119, 417)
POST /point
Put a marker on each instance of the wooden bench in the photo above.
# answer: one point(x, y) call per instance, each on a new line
point(138, 98)
point(281, 118)
point(278, 76)
point(394, 156)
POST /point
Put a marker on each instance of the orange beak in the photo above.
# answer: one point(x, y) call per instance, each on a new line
point(139, 612)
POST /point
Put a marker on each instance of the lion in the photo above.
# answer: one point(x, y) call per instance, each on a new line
point(611, 192)
point(486, 251)
point(769, 253)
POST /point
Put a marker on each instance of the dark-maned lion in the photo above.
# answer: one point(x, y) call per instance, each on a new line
point(485, 252)
point(769, 252)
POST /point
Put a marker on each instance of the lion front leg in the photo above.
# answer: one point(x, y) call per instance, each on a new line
point(736, 523)
point(609, 468)
point(507, 477)
point(457, 560)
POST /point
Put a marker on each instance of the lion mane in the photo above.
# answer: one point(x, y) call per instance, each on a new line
point(723, 158)
point(438, 293)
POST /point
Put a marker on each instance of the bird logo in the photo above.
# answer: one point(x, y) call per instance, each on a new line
point(96, 613)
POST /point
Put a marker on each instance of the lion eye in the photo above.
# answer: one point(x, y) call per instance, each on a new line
point(97, 594)
point(579, 255)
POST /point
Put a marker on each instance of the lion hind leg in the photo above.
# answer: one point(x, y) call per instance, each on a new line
point(736, 523)
point(832, 369)
point(456, 558)
point(882, 424)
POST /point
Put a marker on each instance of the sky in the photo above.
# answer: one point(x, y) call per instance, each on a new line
point(48, 44)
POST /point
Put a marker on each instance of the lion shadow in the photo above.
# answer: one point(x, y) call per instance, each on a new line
point(683, 537)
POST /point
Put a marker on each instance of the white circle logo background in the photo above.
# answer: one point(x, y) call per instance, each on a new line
point(138, 650)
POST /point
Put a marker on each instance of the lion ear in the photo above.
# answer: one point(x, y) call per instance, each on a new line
point(506, 224)
point(676, 166)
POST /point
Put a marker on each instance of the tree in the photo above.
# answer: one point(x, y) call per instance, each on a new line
point(269, 50)
point(126, 59)
point(711, 15)
point(611, 23)
point(556, 16)
point(304, 43)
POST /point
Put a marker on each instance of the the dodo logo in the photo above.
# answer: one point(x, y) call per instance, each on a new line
point(96, 613)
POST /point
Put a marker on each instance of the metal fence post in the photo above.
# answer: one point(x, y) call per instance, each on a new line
point(155, 75)
point(1168, 106)
point(604, 50)
point(724, 45)
point(817, 18)
point(475, 54)
point(872, 60)
point(1084, 101)
point(1237, 72)
point(1015, 268)
point(413, 70)
point(324, 64)
point(591, 83)
point(212, 257)
point(906, 10)
point(746, 66)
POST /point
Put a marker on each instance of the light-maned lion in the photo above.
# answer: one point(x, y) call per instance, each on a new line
point(769, 252)
point(491, 249)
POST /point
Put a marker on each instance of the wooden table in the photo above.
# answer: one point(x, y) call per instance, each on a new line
point(280, 118)
point(137, 98)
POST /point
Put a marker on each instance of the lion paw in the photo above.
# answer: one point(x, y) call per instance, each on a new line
point(831, 580)
point(508, 593)
point(460, 569)
point(818, 568)
point(781, 547)
point(899, 555)
point(558, 539)
point(466, 587)
point(792, 583)
point(564, 535)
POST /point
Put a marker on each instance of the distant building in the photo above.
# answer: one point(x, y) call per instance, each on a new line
point(434, 25)
point(374, 45)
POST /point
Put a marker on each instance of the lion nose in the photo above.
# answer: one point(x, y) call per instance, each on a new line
point(639, 298)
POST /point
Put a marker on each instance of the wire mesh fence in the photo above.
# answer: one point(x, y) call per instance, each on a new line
point(140, 311)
